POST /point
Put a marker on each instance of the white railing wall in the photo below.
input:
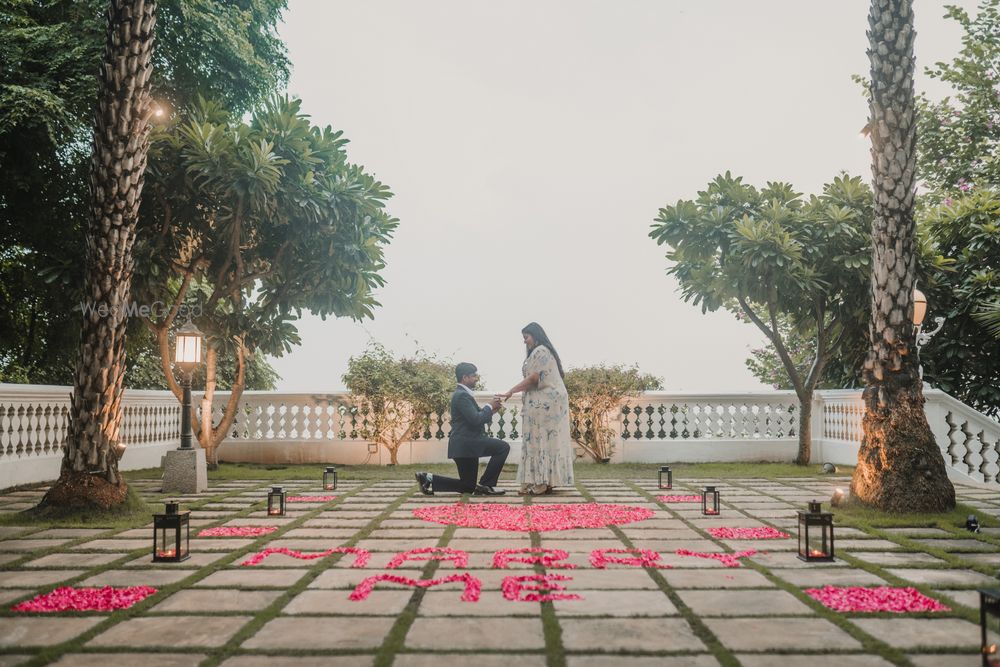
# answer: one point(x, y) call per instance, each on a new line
point(287, 428)
point(34, 420)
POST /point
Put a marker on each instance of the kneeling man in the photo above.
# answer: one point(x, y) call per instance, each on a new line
point(468, 442)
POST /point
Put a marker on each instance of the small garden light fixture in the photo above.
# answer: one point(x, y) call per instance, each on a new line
point(710, 501)
point(330, 478)
point(171, 534)
point(838, 498)
point(815, 534)
point(187, 356)
point(989, 624)
point(666, 477)
point(972, 524)
point(276, 501)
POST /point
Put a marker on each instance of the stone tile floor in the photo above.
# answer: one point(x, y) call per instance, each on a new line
point(285, 611)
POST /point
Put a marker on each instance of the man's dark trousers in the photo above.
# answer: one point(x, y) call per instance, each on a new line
point(468, 442)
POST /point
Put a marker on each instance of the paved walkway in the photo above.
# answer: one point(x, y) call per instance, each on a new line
point(285, 610)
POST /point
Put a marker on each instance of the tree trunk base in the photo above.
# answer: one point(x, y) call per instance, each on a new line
point(85, 491)
point(900, 467)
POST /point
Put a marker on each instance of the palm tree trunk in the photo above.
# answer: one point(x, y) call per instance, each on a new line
point(121, 140)
point(900, 467)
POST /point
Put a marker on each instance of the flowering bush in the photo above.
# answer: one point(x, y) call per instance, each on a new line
point(237, 531)
point(532, 517)
point(68, 598)
point(512, 588)
point(360, 560)
point(882, 598)
point(471, 593)
point(762, 533)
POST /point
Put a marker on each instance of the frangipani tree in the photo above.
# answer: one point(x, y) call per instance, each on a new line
point(773, 257)
point(248, 224)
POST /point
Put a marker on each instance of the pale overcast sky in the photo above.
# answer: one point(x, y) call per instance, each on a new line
point(530, 144)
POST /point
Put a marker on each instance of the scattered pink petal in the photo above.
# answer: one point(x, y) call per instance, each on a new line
point(512, 587)
point(309, 499)
point(68, 598)
point(361, 556)
point(457, 556)
point(532, 517)
point(471, 593)
point(761, 533)
point(679, 499)
point(729, 560)
point(600, 558)
point(881, 598)
point(546, 557)
point(237, 531)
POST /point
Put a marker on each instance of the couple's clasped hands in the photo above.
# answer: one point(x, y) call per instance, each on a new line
point(498, 399)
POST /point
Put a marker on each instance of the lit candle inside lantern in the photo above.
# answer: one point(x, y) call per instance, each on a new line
point(167, 553)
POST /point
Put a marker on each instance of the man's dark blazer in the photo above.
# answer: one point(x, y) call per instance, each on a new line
point(468, 426)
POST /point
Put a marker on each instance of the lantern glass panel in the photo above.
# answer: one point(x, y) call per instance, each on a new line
point(989, 624)
point(188, 349)
point(815, 534)
point(330, 479)
point(710, 501)
point(276, 501)
point(171, 535)
point(666, 477)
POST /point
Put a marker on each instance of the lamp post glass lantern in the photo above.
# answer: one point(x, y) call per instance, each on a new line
point(276, 501)
point(710, 501)
point(989, 625)
point(665, 471)
point(815, 534)
point(171, 534)
point(187, 356)
point(330, 478)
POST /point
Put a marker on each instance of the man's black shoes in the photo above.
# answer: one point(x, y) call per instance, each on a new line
point(482, 490)
point(425, 484)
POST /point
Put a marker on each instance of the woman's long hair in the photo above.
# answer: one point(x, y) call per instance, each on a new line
point(536, 331)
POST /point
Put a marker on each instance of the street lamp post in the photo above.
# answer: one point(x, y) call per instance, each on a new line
point(187, 356)
point(185, 469)
point(922, 337)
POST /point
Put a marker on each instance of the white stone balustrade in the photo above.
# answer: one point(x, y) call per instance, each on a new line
point(286, 428)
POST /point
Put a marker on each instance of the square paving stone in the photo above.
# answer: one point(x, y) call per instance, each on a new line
point(605, 579)
point(30, 544)
point(303, 661)
point(171, 631)
point(136, 578)
point(910, 633)
point(945, 577)
point(829, 660)
point(473, 659)
point(144, 659)
point(942, 660)
point(251, 578)
point(785, 559)
point(378, 602)
point(730, 577)
point(194, 561)
point(322, 632)
point(114, 544)
point(34, 631)
point(960, 545)
point(638, 634)
point(867, 545)
point(476, 633)
point(615, 603)
point(490, 603)
point(11, 594)
point(896, 557)
point(72, 533)
point(30, 578)
point(196, 601)
point(637, 661)
point(969, 598)
point(743, 603)
point(73, 560)
point(219, 544)
point(840, 576)
point(916, 530)
point(751, 634)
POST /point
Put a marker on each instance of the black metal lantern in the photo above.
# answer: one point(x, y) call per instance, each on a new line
point(276, 501)
point(710, 501)
point(330, 478)
point(666, 471)
point(989, 623)
point(815, 534)
point(171, 534)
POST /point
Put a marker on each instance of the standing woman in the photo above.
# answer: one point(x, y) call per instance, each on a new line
point(547, 450)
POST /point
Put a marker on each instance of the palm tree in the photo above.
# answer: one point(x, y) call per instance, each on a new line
point(900, 467)
point(121, 140)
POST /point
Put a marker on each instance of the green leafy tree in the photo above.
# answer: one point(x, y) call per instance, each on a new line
point(900, 468)
point(397, 397)
point(959, 136)
point(595, 399)
point(50, 51)
point(769, 254)
point(246, 225)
